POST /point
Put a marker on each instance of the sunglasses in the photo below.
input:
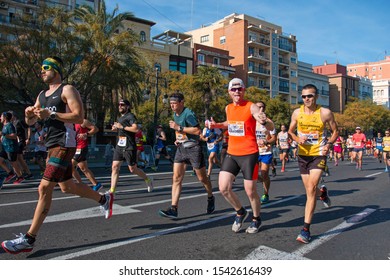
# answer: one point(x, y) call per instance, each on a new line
point(46, 67)
point(122, 105)
point(236, 89)
point(307, 96)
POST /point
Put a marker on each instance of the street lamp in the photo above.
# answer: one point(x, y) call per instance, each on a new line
point(165, 99)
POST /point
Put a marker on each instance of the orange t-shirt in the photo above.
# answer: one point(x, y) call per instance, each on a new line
point(242, 130)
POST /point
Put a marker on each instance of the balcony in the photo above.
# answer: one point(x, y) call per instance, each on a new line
point(258, 70)
point(259, 41)
point(284, 61)
point(284, 74)
point(284, 89)
point(222, 67)
point(259, 57)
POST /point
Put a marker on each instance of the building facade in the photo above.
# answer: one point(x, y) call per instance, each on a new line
point(307, 76)
point(341, 86)
point(264, 56)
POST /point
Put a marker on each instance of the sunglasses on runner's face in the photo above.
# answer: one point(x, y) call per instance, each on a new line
point(46, 67)
point(307, 96)
point(236, 89)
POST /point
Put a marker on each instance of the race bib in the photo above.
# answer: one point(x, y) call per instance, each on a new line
point(210, 146)
point(181, 136)
point(311, 136)
point(236, 128)
point(122, 141)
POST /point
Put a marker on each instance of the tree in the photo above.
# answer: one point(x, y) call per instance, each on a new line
point(208, 81)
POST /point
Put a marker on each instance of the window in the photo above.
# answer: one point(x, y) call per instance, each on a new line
point(293, 73)
point(373, 68)
point(204, 38)
point(293, 86)
point(251, 51)
point(216, 60)
point(142, 34)
point(201, 58)
point(222, 40)
point(293, 59)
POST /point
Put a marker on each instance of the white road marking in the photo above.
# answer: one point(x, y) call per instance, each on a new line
point(266, 253)
point(158, 233)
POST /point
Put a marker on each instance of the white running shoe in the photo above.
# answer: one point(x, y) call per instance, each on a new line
point(17, 245)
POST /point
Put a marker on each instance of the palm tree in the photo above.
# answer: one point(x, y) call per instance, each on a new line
point(209, 81)
point(111, 66)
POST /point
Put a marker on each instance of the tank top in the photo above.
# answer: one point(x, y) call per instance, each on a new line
point(262, 133)
point(386, 144)
point(283, 140)
point(58, 133)
point(81, 143)
point(312, 127)
point(242, 130)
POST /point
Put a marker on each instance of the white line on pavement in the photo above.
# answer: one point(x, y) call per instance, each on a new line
point(158, 233)
point(266, 253)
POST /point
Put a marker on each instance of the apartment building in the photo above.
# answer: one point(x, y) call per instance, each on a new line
point(264, 56)
point(341, 86)
point(307, 76)
point(379, 73)
point(12, 9)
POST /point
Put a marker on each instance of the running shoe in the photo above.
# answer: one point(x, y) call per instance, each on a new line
point(238, 220)
point(149, 183)
point(107, 207)
point(1, 182)
point(169, 213)
point(264, 198)
point(17, 245)
point(28, 176)
point(154, 168)
point(254, 227)
point(210, 204)
point(18, 180)
point(304, 236)
point(9, 178)
point(98, 187)
point(324, 197)
point(282, 170)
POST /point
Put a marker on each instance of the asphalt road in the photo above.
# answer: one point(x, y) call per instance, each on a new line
point(355, 227)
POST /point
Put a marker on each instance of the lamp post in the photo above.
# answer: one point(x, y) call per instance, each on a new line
point(165, 100)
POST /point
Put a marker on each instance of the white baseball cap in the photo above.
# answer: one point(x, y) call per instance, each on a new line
point(236, 83)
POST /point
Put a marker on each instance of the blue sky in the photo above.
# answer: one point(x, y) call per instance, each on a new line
point(333, 30)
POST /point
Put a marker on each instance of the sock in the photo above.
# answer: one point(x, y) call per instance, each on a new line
point(241, 211)
point(102, 200)
point(256, 218)
point(174, 207)
point(30, 238)
point(306, 227)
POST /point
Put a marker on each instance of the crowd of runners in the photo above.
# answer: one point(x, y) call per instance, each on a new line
point(247, 140)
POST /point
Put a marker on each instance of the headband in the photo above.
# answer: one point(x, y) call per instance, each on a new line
point(53, 63)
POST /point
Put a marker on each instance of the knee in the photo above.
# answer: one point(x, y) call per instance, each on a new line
point(224, 190)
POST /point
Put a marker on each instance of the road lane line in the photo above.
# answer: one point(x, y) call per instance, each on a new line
point(267, 253)
point(112, 245)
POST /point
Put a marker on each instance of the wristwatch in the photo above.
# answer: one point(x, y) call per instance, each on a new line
point(181, 129)
point(53, 115)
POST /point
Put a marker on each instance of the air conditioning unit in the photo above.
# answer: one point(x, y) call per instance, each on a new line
point(3, 5)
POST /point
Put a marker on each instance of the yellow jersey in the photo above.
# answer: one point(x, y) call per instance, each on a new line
point(311, 127)
point(386, 144)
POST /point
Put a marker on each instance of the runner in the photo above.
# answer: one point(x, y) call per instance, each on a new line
point(386, 149)
point(188, 151)
point(80, 158)
point(359, 139)
point(338, 150)
point(310, 120)
point(212, 137)
point(60, 106)
point(378, 144)
point(284, 146)
point(161, 149)
point(126, 148)
point(242, 154)
point(266, 136)
point(349, 144)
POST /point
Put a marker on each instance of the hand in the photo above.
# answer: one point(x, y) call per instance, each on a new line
point(262, 117)
point(211, 123)
point(173, 125)
point(42, 113)
point(302, 139)
point(29, 112)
